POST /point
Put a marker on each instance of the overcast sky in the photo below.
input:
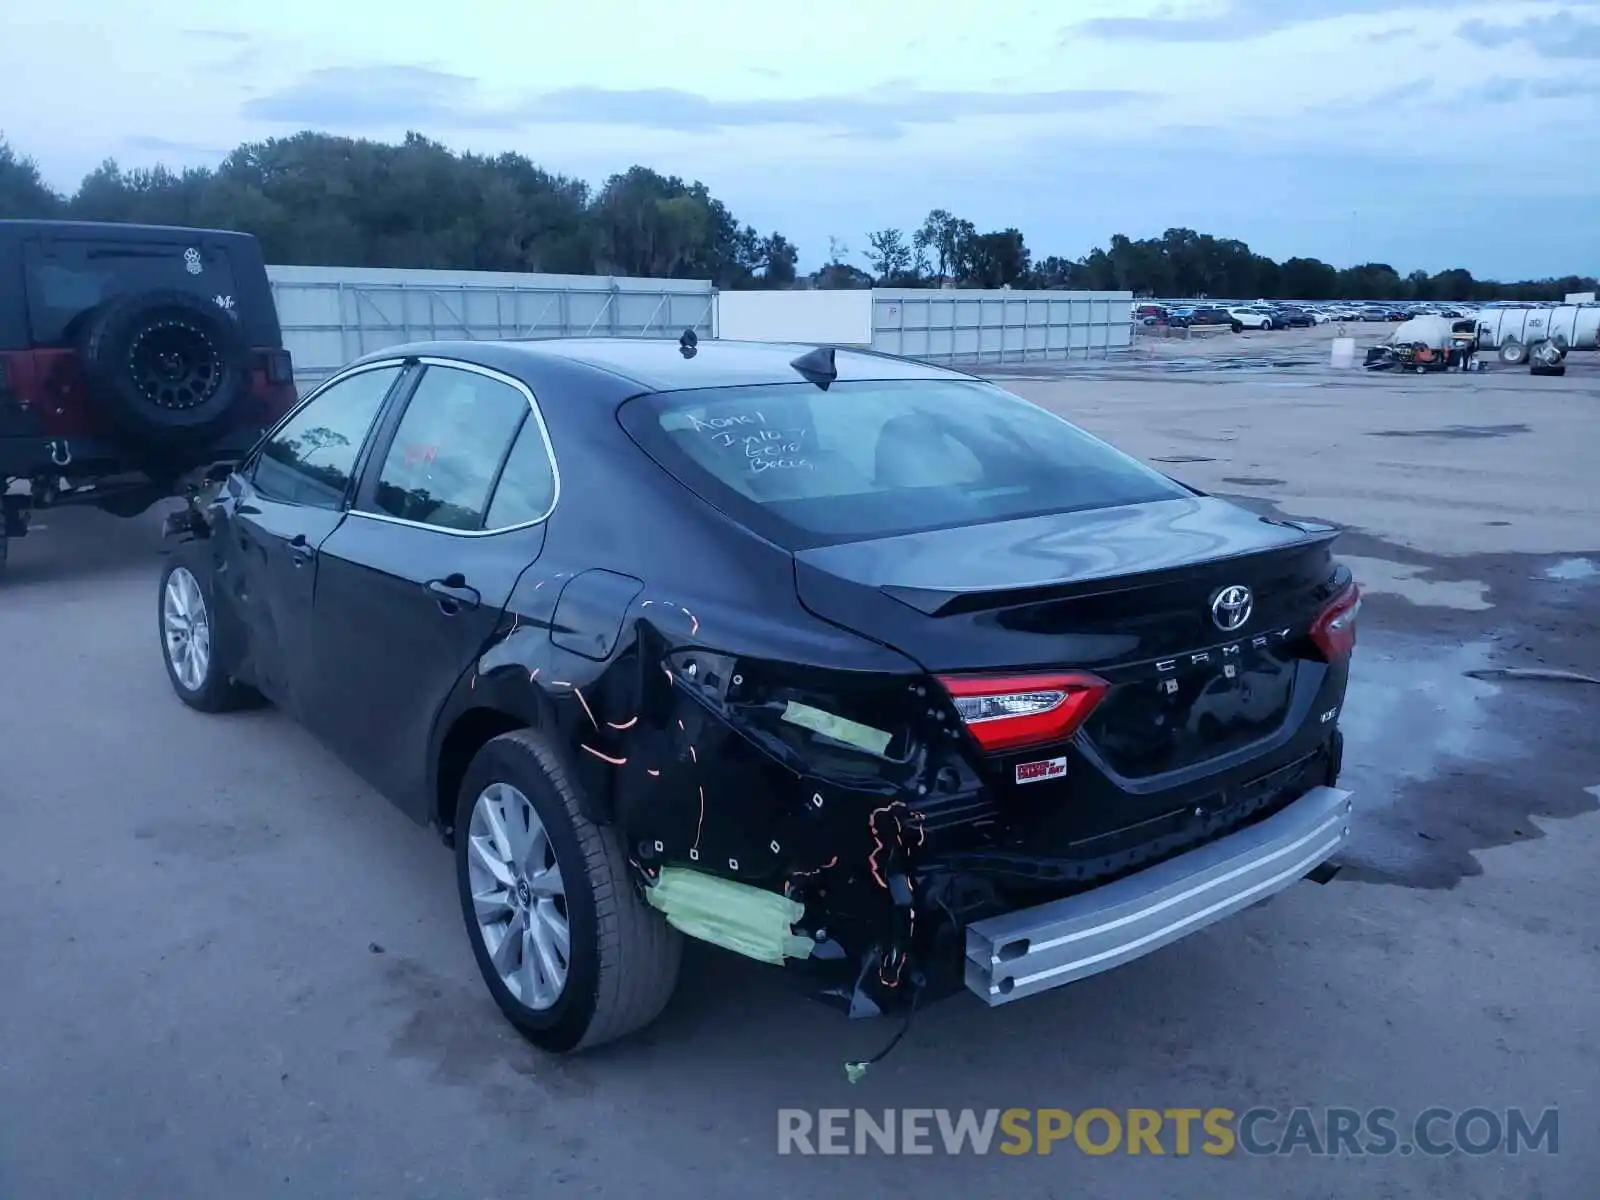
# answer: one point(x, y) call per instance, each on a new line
point(1431, 135)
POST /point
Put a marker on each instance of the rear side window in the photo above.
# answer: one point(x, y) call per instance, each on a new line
point(527, 488)
point(806, 467)
point(311, 458)
point(447, 452)
point(68, 277)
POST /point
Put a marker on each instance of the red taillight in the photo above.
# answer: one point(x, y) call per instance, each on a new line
point(1334, 630)
point(278, 366)
point(1009, 712)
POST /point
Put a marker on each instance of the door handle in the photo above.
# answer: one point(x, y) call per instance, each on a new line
point(300, 550)
point(453, 593)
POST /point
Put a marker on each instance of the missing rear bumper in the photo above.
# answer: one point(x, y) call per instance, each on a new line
point(1036, 949)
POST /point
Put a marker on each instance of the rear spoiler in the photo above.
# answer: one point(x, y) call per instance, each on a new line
point(943, 602)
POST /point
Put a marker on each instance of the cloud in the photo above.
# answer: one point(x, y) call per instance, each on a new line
point(1388, 98)
point(1560, 35)
point(878, 112)
point(380, 97)
point(1380, 37)
point(160, 145)
point(1503, 90)
point(230, 37)
point(1233, 20)
point(416, 96)
point(243, 50)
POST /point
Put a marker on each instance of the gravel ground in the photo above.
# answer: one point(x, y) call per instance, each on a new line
point(234, 971)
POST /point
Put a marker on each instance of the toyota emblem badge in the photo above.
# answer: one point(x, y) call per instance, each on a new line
point(1232, 607)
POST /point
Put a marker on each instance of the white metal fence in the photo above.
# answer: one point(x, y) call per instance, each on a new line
point(332, 315)
point(978, 326)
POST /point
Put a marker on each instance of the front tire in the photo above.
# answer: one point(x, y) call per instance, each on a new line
point(570, 951)
point(188, 641)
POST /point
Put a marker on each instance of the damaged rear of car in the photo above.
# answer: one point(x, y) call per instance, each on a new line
point(839, 661)
point(1104, 712)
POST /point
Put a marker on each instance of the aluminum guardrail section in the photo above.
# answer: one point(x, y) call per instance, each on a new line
point(1035, 949)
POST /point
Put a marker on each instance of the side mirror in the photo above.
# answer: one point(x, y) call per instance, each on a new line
point(219, 472)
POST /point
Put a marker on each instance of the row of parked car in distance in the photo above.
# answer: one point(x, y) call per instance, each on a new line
point(1263, 314)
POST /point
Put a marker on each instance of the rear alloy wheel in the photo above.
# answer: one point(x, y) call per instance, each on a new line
point(188, 646)
point(569, 949)
point(519, 897)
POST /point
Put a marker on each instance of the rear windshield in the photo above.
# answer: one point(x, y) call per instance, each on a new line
point(805, 467)
point(68, 278)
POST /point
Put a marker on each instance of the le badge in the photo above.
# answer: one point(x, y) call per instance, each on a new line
point(1049, 768)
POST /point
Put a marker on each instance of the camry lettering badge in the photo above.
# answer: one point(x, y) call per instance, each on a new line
point(1232, 607)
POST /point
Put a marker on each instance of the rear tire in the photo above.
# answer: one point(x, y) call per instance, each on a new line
point(519, 812)
point(1513, 353)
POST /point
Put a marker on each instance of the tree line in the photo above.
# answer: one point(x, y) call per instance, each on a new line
point(322, 200)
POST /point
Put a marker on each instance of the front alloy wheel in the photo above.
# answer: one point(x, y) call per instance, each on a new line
point(187, 629)
point(189, 639)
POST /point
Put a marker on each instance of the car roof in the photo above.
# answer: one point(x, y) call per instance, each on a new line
point(11, 228)
point(659, 365)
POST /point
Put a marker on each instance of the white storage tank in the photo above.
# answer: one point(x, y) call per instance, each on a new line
point(1542, 334)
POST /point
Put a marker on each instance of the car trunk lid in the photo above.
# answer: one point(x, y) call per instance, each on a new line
point(1138, 595)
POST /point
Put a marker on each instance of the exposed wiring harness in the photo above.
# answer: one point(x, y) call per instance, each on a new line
point(856, 1069)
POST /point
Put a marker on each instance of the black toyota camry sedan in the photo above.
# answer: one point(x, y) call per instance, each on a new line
point(861, 667)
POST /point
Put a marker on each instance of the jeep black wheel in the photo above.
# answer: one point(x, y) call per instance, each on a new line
point(165, 366)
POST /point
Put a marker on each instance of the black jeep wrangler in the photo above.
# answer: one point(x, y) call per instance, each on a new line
point(132, 359)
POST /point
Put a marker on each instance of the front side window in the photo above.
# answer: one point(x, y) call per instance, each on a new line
point(311, 458)
point(865, 459)
point(449, 447)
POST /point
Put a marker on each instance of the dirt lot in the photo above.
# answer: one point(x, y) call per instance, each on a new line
point(233, 971)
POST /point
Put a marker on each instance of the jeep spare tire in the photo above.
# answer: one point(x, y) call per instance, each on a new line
point(165, 366)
